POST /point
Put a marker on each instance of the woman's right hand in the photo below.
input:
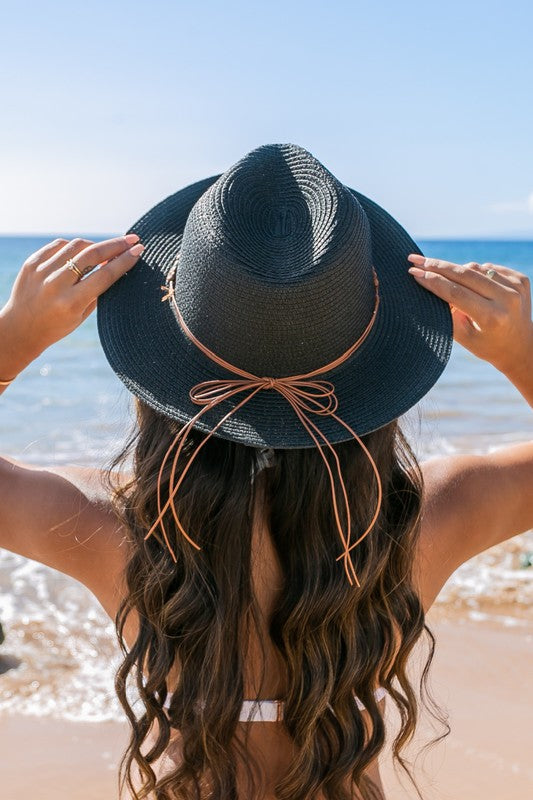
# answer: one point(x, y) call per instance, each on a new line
point(48, 300)
point(491, 315)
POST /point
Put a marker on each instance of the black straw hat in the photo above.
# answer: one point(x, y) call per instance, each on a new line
point(272, 265)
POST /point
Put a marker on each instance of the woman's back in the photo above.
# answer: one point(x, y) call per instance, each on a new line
point(265, 677)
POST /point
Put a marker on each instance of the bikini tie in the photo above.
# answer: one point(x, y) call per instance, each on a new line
point(305, 396)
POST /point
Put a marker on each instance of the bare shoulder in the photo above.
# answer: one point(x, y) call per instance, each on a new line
point(92, 481)
point(63, 517)
point(471, 502)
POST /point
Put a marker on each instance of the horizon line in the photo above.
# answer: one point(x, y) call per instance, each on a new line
point(502, 237)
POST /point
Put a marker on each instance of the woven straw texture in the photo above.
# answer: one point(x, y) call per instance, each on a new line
point(273, 266)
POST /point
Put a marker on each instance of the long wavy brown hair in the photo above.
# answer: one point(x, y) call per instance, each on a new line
point(334, 639)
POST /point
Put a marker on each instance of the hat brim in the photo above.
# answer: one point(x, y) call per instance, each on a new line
point(404, 354)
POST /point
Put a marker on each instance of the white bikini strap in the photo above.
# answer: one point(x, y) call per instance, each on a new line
point(261, 711)
point(272, 710)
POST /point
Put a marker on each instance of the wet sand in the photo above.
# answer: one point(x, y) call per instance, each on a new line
point(481, 675)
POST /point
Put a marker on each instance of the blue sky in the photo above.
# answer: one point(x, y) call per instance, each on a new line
point(107, 107)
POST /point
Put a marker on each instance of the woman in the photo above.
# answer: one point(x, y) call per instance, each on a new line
point(217, 553)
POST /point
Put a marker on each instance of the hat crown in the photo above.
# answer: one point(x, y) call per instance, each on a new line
point(275, 266)
point(277, 278)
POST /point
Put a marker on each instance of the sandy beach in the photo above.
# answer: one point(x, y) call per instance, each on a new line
point(480, 676)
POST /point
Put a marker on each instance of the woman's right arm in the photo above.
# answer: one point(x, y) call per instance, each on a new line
point(60, 517)
point(472, 502)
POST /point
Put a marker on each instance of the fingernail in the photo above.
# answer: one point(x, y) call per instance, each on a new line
point(417, 273)
point(415, 258)
point(136, 250)
point(131, 238)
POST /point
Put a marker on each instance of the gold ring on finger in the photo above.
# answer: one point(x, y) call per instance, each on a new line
point(71, 264)
point(490, 272)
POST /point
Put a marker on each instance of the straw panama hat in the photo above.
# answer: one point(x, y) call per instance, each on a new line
point(272, 266)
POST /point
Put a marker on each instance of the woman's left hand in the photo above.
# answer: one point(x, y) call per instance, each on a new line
point(49, 300)
point(490, 306)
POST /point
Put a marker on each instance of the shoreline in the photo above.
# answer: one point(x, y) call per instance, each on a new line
point(479, 674)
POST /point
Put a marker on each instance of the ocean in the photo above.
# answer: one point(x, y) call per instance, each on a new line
point(68, 406)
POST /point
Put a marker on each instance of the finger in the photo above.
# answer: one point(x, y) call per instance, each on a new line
point(99, 281)
point(511, 277)
point(44, 253)
point(504, 275)
point(495, 276)
point(88, 257)
point(104, 251)
point(58, 258)
point(465, 299)
point(89, 310)
point(471, 275)
point(465, 329)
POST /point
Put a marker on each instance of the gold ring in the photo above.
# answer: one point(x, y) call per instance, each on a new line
point(490, 272)
point(70, 264)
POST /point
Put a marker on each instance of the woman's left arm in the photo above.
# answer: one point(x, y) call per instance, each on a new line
point(58, 516)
